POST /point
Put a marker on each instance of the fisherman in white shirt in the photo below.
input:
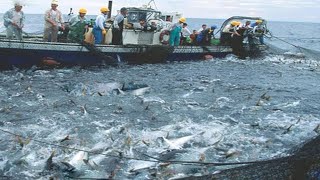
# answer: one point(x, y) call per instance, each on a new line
point(53, 19)
point(14, 21)
point(185, 32)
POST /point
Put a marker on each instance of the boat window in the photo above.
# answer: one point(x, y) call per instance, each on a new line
point(136, 16)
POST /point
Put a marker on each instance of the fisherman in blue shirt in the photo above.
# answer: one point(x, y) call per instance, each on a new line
point(98, 29)
point(14, 21)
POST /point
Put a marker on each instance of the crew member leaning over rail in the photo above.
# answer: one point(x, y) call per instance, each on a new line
point(99, 27)
point(53, 19)
point(175, 32)
point(14, 21)
point(78, 24)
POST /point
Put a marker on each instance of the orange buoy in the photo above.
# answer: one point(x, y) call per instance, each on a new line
point(49, 61)
point(208, 57)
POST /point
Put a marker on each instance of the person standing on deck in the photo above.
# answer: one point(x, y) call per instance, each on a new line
point(185, 35)
point(175, 32)
point(118, 25)
point(14, 21)
point(53, 18)
point(78, 24)
point(257, 26)
point(98, 29)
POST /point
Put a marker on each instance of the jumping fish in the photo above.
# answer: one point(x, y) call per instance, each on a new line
point(79, 159)
point(64, 168)
point(140, 91)
point(179, 142)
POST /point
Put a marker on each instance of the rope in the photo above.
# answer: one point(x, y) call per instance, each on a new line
point(139, 159)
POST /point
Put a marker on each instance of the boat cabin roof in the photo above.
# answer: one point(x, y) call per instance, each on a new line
point(242, 19)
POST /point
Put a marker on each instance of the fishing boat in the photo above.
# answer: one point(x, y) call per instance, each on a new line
point(138, 47)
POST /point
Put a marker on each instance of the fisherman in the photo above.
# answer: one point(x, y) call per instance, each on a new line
point(204, 37)
point(14, 21)
point(99, 28)
point(193, 36)
point(247, 25)
point(118, 26)
point(237, 43)
point(141, 25)
point(228, 31)
point(53, 19)
point(185, 35)
point(212, 28)
point(78, 24)
point(203, 27)
point(175, 31)
point(257, 26)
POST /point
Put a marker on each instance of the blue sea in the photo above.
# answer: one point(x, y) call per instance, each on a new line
point(222, 110)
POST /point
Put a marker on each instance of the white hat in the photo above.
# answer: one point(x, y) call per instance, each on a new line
point(18, 3)
point(54, 2)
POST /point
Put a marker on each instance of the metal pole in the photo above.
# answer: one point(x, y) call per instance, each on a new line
point(110, 8)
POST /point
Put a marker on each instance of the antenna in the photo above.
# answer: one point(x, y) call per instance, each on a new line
point(154, 3)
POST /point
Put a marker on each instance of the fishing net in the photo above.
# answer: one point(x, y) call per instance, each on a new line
point(303, 164)
point(299, 51)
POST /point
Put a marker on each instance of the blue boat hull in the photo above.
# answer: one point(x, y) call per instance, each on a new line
point(23, 54)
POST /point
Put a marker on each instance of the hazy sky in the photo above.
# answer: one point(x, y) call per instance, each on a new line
point(282, 10)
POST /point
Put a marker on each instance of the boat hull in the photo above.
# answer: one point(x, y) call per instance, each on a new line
point(28, 53)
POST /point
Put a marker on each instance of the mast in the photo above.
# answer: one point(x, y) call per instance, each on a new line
point(110, 8)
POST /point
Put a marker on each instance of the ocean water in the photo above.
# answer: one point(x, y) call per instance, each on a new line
point(222, 110)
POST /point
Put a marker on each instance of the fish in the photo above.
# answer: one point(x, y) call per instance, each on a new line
point(140, 91)
point(303, 163)
point(106, 88)
point(79, 159)
point(61, 168)
point(65, 139)
point(179, 142)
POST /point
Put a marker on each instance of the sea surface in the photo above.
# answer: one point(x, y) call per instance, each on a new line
point(221, 110)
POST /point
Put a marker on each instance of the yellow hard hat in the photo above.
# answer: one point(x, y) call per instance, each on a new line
point(82, 11)
point(259, 21)
point(104, 9)
point(182, 19)
point(234, 23)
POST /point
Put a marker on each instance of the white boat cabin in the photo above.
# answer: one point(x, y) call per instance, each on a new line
point(156, 23)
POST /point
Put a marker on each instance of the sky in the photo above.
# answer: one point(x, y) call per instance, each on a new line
point(274, 10)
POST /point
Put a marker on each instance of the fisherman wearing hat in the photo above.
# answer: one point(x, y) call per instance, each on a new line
point(257, 26)
point(78, 24)
point(99, 28)
point(228, 31)
point(53, 19)
point(14, 21)
point(118, 25)
point(175, 32)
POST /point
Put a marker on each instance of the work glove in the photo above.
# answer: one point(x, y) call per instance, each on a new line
point(104, 32)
